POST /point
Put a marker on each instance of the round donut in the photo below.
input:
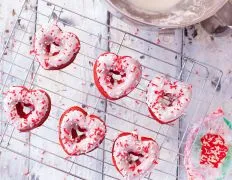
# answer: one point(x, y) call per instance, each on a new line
point(167, 99)
point(27, 109)
point(80, 133)
point(207, 153)
point(55, 49)
point(116, 76)
point(134, 156)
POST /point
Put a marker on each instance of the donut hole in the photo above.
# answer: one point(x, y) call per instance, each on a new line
point(116, 76)
point(134, 158)
point(24, 110)
point(78, 133)
point(52, 48)
point(167, 99)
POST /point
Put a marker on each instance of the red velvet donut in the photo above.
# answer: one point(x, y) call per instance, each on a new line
point(134, 156)
point(116, 76)
point(167, 99)
point(27, 109)
point(80, 133)
point(55, 49)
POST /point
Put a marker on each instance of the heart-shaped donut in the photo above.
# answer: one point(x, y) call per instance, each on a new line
point(80, 133)
point(167, 99)
point(27, 109)
point(55, 49)
point(134, 156)
point(116, 76)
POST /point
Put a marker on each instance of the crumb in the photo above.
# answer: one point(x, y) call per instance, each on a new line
point(215, 82)
point(83, 106)
point(137, 102)
point(142, 57)
point(136, 32)
point(195, 33)
point(185, 32)
point(49, 4)
point(7, 31)
point(90, 63)
point(157, 42)
point(43, 152)
point(19, 21)
point(13, 12)
point(26, 172)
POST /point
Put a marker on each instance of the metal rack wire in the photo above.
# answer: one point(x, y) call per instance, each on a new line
point(74, 86)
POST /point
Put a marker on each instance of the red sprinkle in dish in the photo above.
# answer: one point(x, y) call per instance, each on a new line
point(213, 150)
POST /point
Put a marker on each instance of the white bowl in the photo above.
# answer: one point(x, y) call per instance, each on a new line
point(186, 13)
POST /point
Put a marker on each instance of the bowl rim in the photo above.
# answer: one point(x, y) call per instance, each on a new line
point(171, 26)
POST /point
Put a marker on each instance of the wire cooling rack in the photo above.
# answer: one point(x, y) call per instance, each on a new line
point(74, 85)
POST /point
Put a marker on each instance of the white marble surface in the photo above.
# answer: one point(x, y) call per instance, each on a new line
point(67, 87)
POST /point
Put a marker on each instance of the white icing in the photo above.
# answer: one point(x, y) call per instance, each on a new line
point(154, 5)
point(37, 98)
point(95, 132)
point(132, 143)
point(127, 65)
point(68, 43)
point(181, 92)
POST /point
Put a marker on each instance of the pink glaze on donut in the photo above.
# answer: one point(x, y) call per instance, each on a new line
point(55, 49)
point(116, 76)
point(167, 100)
point(36, 103)
point(80, 133)
point(134, 156)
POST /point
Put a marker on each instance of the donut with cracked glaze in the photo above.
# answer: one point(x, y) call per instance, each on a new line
point(167, 99)
point(36, 103)
point(80, 133)
point(134, 156)
point(116, 76)
point(55, 49)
